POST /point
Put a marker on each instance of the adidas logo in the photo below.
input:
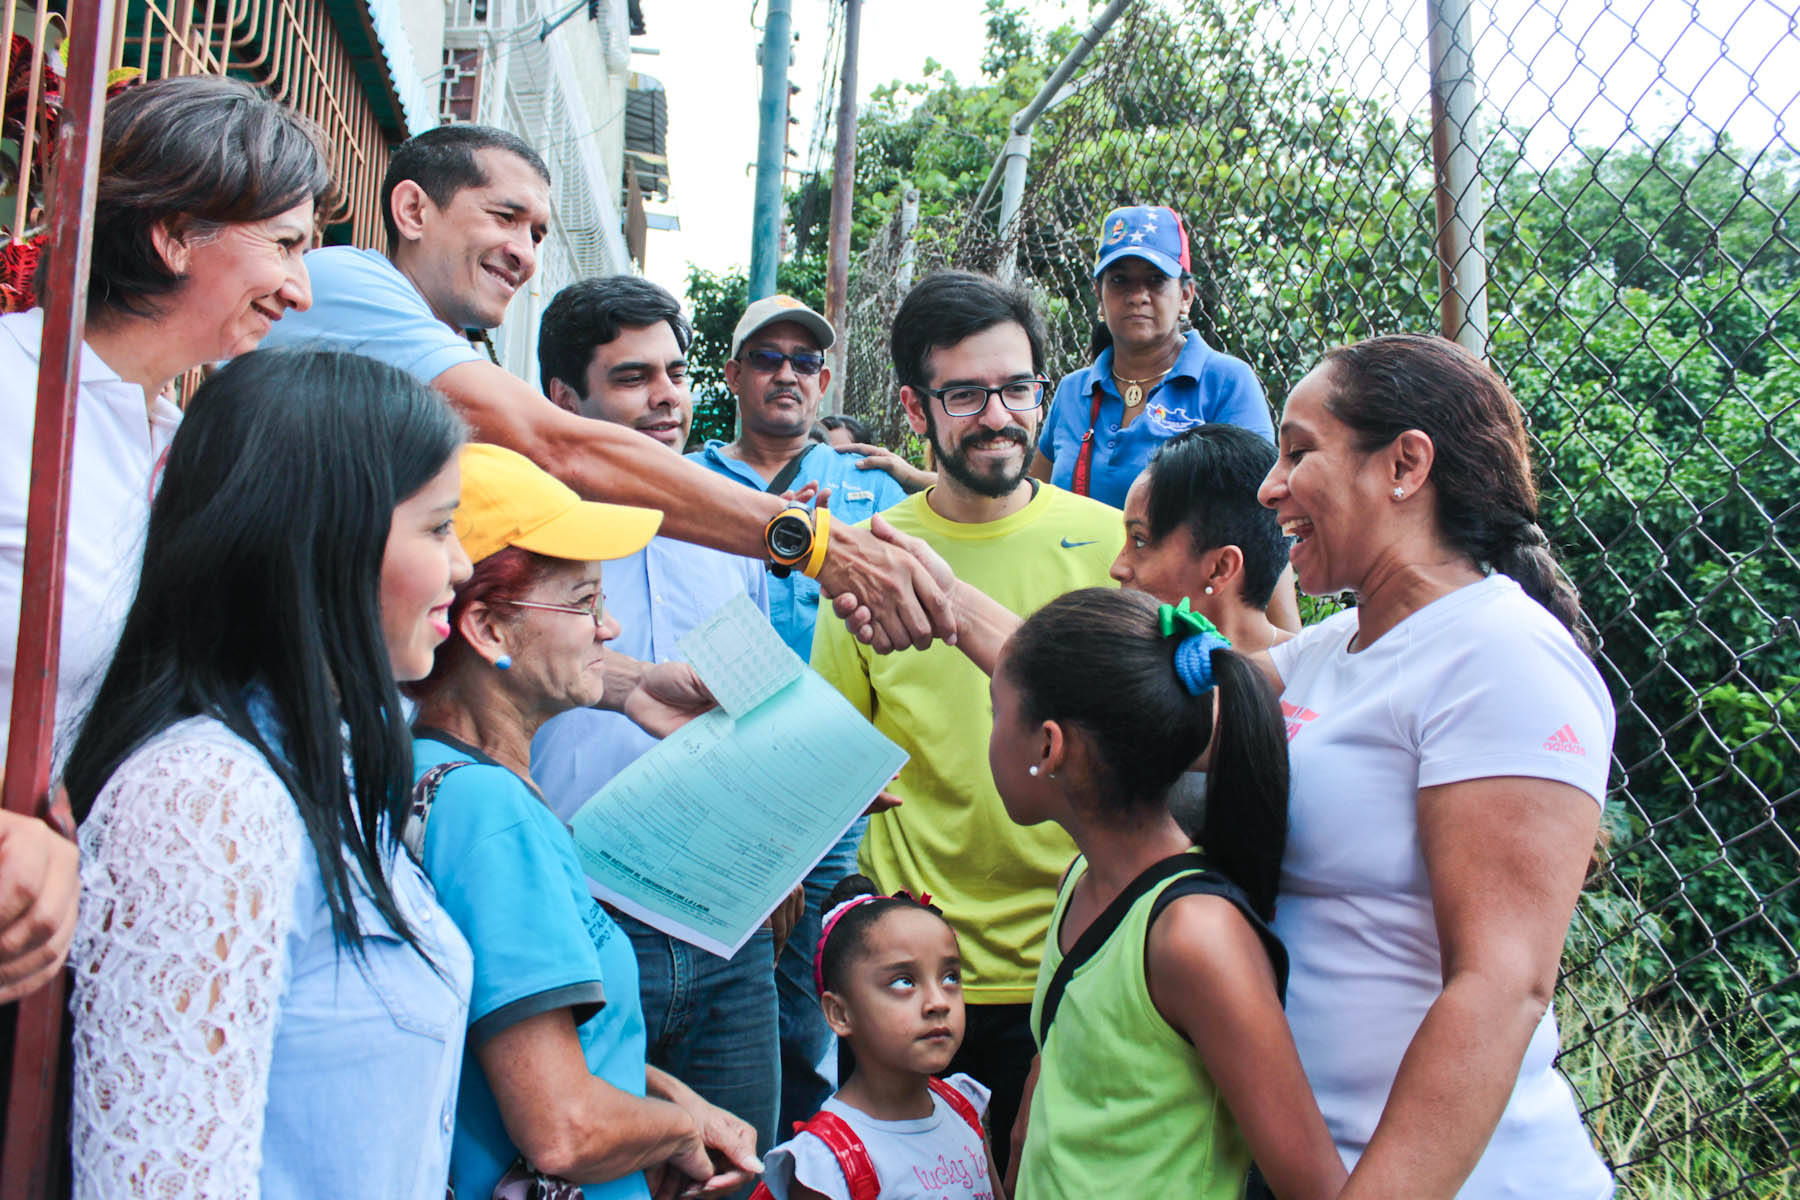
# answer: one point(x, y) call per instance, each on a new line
point(1564, 741)
point(1296, 718)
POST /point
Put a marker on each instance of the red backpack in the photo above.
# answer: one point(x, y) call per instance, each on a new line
point(853, 1157)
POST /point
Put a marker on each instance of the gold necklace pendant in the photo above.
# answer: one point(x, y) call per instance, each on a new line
point(1134, 395)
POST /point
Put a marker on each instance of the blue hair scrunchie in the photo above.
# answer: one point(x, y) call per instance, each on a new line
point(1193, 654)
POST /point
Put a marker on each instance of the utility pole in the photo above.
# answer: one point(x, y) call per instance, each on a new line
point(771, 149)
point(843, 193)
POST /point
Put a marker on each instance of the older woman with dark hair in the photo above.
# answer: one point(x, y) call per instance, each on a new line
point(1151, 376)
point(205, 205)
point(1449, 742)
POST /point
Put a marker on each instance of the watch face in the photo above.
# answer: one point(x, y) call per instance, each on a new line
point(790, 537)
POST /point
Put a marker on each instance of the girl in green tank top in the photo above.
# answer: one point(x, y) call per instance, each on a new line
point(1164, 1060)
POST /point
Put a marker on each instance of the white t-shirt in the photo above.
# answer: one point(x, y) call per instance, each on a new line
point(119, 444)
point(933, 1158)
point(1480, 683)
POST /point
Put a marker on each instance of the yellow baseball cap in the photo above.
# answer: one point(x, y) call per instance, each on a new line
point(508, 500)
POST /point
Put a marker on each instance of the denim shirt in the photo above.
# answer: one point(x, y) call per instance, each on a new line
point(368, 1053)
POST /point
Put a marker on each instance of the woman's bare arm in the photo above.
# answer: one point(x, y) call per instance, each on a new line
point(1506, 858)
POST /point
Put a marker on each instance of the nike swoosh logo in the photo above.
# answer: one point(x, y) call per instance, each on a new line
point(1068, 545)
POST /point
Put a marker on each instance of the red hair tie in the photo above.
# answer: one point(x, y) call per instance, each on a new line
point(837, 914)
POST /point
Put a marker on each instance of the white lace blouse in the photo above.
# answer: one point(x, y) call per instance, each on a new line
point(225, 1043)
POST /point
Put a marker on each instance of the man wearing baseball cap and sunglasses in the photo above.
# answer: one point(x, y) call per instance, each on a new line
point(777, 372)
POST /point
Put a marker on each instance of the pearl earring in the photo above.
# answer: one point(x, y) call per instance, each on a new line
point(1032, 769)
point(1399, 492)
point(1209, 590)
point(503, 663)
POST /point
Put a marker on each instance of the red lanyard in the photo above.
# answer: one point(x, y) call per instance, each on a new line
point(1084, 461)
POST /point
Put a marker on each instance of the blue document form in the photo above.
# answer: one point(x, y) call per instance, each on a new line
point(704, 835)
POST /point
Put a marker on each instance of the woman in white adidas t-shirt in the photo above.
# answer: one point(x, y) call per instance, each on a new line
point(1449, 742)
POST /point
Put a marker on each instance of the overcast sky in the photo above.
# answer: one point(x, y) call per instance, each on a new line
point(708, 64)
point(1739, 61)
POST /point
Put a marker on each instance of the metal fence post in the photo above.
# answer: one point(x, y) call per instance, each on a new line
point(843, 191)
point(1016, 160)
point(31, 1120)
point(1461, 256)
point(771, 151)
point(909, 243)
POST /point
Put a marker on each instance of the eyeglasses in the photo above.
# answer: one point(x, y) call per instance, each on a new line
point(806, 362)
point(967, 399)
point(596, 608)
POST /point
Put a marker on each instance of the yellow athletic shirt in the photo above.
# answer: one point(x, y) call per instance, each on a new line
point(995, 881)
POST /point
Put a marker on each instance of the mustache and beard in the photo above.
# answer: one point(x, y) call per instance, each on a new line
point(992, 479)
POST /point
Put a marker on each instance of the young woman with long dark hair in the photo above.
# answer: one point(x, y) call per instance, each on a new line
point(268, 998)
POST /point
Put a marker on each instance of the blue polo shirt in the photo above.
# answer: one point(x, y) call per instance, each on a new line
point(856, 495)
point(1204, 385)
point(505, 869)
point(657, 595)
point(362, 303)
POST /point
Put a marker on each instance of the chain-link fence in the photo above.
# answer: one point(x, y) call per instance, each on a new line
point(1633, 186)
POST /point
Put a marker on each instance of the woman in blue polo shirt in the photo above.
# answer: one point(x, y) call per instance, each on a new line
point(1152, 380)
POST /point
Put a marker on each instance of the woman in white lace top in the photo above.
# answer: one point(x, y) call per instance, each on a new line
point(268, 999)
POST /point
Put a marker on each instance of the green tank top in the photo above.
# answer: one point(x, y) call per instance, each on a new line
point(1123, 1106)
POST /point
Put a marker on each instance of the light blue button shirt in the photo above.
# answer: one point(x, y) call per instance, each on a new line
point(657, 595)
point(368, 1052)
point(856, 495)
point(361, 302)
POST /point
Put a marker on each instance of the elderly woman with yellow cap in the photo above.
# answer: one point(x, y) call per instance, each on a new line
point(1152, 379)
point(555, 1087)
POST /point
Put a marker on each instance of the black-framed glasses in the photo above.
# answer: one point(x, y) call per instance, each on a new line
point(967, 399)
point(595, 608)
point(806, 362)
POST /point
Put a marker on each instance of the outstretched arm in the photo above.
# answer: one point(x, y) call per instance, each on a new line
point(604, 461)
point(880, 458)
point(982, 623)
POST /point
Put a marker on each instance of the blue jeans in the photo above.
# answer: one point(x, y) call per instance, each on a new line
point(805, 1037)
point(711, 1022)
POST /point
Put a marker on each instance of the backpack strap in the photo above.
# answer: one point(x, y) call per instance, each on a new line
point(1209, 882)
point(424, 795)
point(957, 1101)
point(1095, 935)
point(852, 1156)
point(784, 478)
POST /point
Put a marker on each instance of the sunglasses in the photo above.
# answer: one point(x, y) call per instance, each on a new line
point(806, 362)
